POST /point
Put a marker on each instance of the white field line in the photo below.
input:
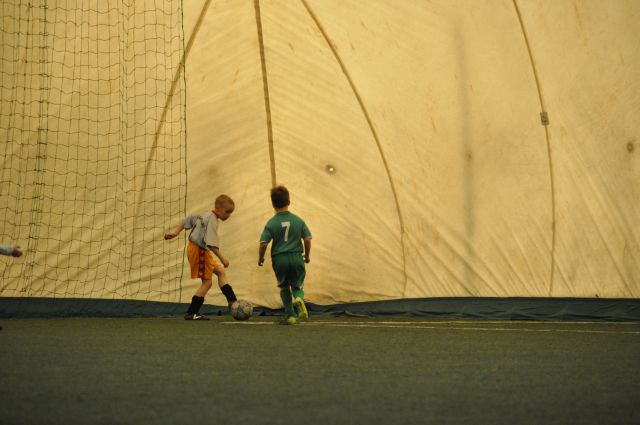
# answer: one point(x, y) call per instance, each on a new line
point(419, 325)
point(467, 322)
point(465, 328)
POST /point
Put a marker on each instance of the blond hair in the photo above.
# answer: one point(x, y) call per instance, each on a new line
point(223, 201)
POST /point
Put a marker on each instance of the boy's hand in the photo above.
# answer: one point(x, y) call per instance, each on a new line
point(260, 261)
point(307, 259)
point(169, 235)
point(225, 262)
point(17, 252)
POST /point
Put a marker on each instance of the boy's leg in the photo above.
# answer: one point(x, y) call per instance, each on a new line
point(225, 287)
point(281, 266)
point(297, 293)
point(204, 288)
point(298, 274)
point(193, 313)
point(287, 301)
point(200, 263)
point(298, 301)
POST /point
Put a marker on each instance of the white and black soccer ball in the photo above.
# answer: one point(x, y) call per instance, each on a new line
point(241, 310)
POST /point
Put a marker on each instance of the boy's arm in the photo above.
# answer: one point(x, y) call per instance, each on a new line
point(12, 250)
point(222, 258)
point(261, 251)
point(307, 249)
point(175, 232)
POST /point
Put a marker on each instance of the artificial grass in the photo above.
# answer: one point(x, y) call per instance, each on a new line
point(330, 371)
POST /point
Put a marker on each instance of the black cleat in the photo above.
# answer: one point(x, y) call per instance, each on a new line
point(195, 316)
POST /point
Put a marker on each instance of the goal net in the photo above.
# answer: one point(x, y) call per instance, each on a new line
point(92, 156)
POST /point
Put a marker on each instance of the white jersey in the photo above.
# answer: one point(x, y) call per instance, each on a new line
point(204, 231)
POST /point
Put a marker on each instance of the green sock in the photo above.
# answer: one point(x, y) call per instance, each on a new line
point(298, 293)
point(285, 295)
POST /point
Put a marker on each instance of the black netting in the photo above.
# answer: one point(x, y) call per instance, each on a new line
point(92, 163)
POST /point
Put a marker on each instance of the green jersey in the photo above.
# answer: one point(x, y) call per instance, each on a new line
point(286, 230)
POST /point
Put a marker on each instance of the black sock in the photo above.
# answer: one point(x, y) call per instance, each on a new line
point(227, 290)
point(196, 303)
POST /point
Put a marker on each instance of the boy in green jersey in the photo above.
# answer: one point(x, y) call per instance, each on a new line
point(288, 232)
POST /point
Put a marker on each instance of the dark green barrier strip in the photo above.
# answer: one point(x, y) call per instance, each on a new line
point(581, 309)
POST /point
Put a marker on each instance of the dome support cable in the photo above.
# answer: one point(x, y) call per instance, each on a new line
point(265, 85)
point(544, 119)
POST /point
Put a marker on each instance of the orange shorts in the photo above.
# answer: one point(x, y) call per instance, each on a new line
point(201, 261)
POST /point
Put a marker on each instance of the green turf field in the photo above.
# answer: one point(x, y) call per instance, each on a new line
point(328, 371)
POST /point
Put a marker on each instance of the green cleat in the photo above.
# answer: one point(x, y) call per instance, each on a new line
point(290, 320)
point(303, 314)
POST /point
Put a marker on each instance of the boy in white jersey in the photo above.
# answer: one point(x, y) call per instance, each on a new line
point(203, 241)
point(288, 233)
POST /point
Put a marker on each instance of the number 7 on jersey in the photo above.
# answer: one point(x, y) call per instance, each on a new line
point(286, 225)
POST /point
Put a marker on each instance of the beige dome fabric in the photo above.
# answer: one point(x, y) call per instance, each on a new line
point(445, 183)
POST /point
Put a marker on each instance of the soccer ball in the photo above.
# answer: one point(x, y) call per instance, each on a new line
point(241, 310)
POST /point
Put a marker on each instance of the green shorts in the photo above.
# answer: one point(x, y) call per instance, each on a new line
point(289, 269)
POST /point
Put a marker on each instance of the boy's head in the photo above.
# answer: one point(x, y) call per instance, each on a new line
point(279, 197)
point(224, 207)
